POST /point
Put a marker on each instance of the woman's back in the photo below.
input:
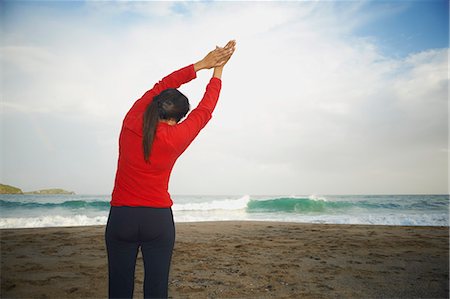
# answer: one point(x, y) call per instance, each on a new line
point(145, 183)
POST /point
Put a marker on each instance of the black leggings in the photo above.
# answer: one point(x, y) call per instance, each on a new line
point(153, 230)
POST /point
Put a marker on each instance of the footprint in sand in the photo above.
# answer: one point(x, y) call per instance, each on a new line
point(72, 290)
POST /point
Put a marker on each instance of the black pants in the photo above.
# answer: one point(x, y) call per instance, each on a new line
point(129, 228)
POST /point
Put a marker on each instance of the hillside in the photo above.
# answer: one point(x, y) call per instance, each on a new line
point(7, 189)
point(50, 191)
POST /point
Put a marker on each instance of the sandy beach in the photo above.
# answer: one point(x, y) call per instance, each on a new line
point(240, 260)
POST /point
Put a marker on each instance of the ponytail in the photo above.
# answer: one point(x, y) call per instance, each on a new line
point(150, 121)
point(169, 104)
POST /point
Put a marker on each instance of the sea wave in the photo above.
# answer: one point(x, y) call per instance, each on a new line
point(222, 204)
point(295, 205)
point(314, 204)
point(52, 221)
point(79, 210)
point(188, 216)
point(291, 204)
point(70, 204)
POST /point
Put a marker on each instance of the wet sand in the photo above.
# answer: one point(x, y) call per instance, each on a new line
point(240, 260)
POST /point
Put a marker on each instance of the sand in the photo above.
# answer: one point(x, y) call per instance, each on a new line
point(240, 260)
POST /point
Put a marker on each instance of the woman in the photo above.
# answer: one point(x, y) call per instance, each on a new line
point(151, 140)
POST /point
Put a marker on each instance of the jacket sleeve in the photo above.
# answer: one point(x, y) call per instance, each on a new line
point(186, 131)
point(174, 80)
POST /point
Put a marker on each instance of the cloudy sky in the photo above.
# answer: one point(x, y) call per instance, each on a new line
point(319, 98)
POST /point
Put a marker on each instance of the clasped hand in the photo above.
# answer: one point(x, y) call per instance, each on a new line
point(217, 57)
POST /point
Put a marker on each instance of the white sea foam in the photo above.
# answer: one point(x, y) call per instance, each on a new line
point(316, 198)
point(437, 219)
point(52, 221)
point(363, 219)
point(223, 204)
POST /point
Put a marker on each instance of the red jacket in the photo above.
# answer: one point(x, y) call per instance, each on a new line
point(139, 183)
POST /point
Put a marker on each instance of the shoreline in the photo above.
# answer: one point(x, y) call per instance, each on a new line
point(244, 259)
point(238, 222)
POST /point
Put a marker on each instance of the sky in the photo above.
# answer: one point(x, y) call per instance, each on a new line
point(320, 97)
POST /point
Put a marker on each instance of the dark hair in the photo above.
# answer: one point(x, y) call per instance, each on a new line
point(169, 104)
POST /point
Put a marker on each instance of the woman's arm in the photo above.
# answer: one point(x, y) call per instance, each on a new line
point(186, 131)
point(174, 80)
point(218, 72)
point(215, 58)
point(182, 76)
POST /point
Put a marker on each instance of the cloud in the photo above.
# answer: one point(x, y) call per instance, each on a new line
point(306, 107)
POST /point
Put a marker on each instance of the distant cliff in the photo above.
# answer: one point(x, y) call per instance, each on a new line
point(50, 191)
point(7, 189)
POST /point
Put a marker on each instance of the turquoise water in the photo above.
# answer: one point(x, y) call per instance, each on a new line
point(78, 210)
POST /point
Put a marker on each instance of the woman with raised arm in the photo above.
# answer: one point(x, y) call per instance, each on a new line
point(151, 140)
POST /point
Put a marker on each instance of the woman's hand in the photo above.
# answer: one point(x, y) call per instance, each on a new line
point(217, 57)
point(218, 69)
point(231, 46)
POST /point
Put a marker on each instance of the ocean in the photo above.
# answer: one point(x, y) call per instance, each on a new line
point(19, 211)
